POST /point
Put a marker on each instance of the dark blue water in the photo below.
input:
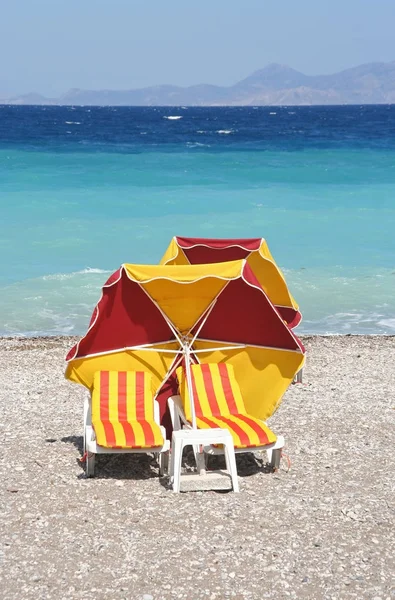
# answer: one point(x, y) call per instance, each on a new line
point(138, 129)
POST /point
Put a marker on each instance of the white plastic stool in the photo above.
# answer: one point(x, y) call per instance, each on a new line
point(205, 437)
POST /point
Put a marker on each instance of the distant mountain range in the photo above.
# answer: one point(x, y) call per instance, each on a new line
point(274, 85)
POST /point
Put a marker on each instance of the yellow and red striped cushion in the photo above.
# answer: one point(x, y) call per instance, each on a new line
point(219, 403)
point(123, 410)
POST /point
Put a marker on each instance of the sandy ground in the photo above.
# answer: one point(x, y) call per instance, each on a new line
point(323, 529)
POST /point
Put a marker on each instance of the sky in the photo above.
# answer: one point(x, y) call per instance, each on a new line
point(50, 46)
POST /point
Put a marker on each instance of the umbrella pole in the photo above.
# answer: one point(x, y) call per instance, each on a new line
point(199, 456)
point(187, 352)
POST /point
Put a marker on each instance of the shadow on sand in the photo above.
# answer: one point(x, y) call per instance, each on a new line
point(145, 466)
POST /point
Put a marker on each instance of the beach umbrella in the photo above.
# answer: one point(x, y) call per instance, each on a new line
point(185, 251)
point(154, 318)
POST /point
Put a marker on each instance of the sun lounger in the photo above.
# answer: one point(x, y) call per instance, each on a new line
point(218, 403)
point(121, 416)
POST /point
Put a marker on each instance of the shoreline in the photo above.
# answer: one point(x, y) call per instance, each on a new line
point(304, 336)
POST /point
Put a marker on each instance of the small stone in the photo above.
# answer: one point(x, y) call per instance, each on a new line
point(148, 597)
point(232, 575)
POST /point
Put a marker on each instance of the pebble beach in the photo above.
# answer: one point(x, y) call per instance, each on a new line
point(322, 527)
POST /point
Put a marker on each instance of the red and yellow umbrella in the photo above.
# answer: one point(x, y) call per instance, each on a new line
point(185, 251)
point(151, 318)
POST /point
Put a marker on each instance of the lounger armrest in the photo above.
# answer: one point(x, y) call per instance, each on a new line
point(87, 410)
point(177, 413)
point(90, 434)
point(156, 412)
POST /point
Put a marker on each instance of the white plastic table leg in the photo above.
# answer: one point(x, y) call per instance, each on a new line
point(171, 468)
point(177, 448)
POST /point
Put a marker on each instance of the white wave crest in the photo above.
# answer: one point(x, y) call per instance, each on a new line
point(92, 270)
point(73, 122)
point(86, 271)
point(197, 144)
point(224, 131)
point(387, 323)
point(173, 117)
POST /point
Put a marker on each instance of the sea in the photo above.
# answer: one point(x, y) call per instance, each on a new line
point(85, 189)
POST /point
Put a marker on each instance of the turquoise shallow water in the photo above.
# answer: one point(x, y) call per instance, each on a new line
point(75, 207)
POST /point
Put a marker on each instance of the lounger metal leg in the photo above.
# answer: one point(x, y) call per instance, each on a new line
point(275, 458)
point(298, 377)
point(163, 463)
point(86, 414)
point(200, 459)
point(205, 454)
point(90, 464)
point(201, 463)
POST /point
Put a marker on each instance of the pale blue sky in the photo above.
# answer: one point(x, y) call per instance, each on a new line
point(49, 46)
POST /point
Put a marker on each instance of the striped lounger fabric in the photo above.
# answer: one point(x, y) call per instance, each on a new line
point(218, 403)
point(123, 410)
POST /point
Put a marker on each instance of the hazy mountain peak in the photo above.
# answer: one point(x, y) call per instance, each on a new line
point(276, 69)
point(275, 76)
